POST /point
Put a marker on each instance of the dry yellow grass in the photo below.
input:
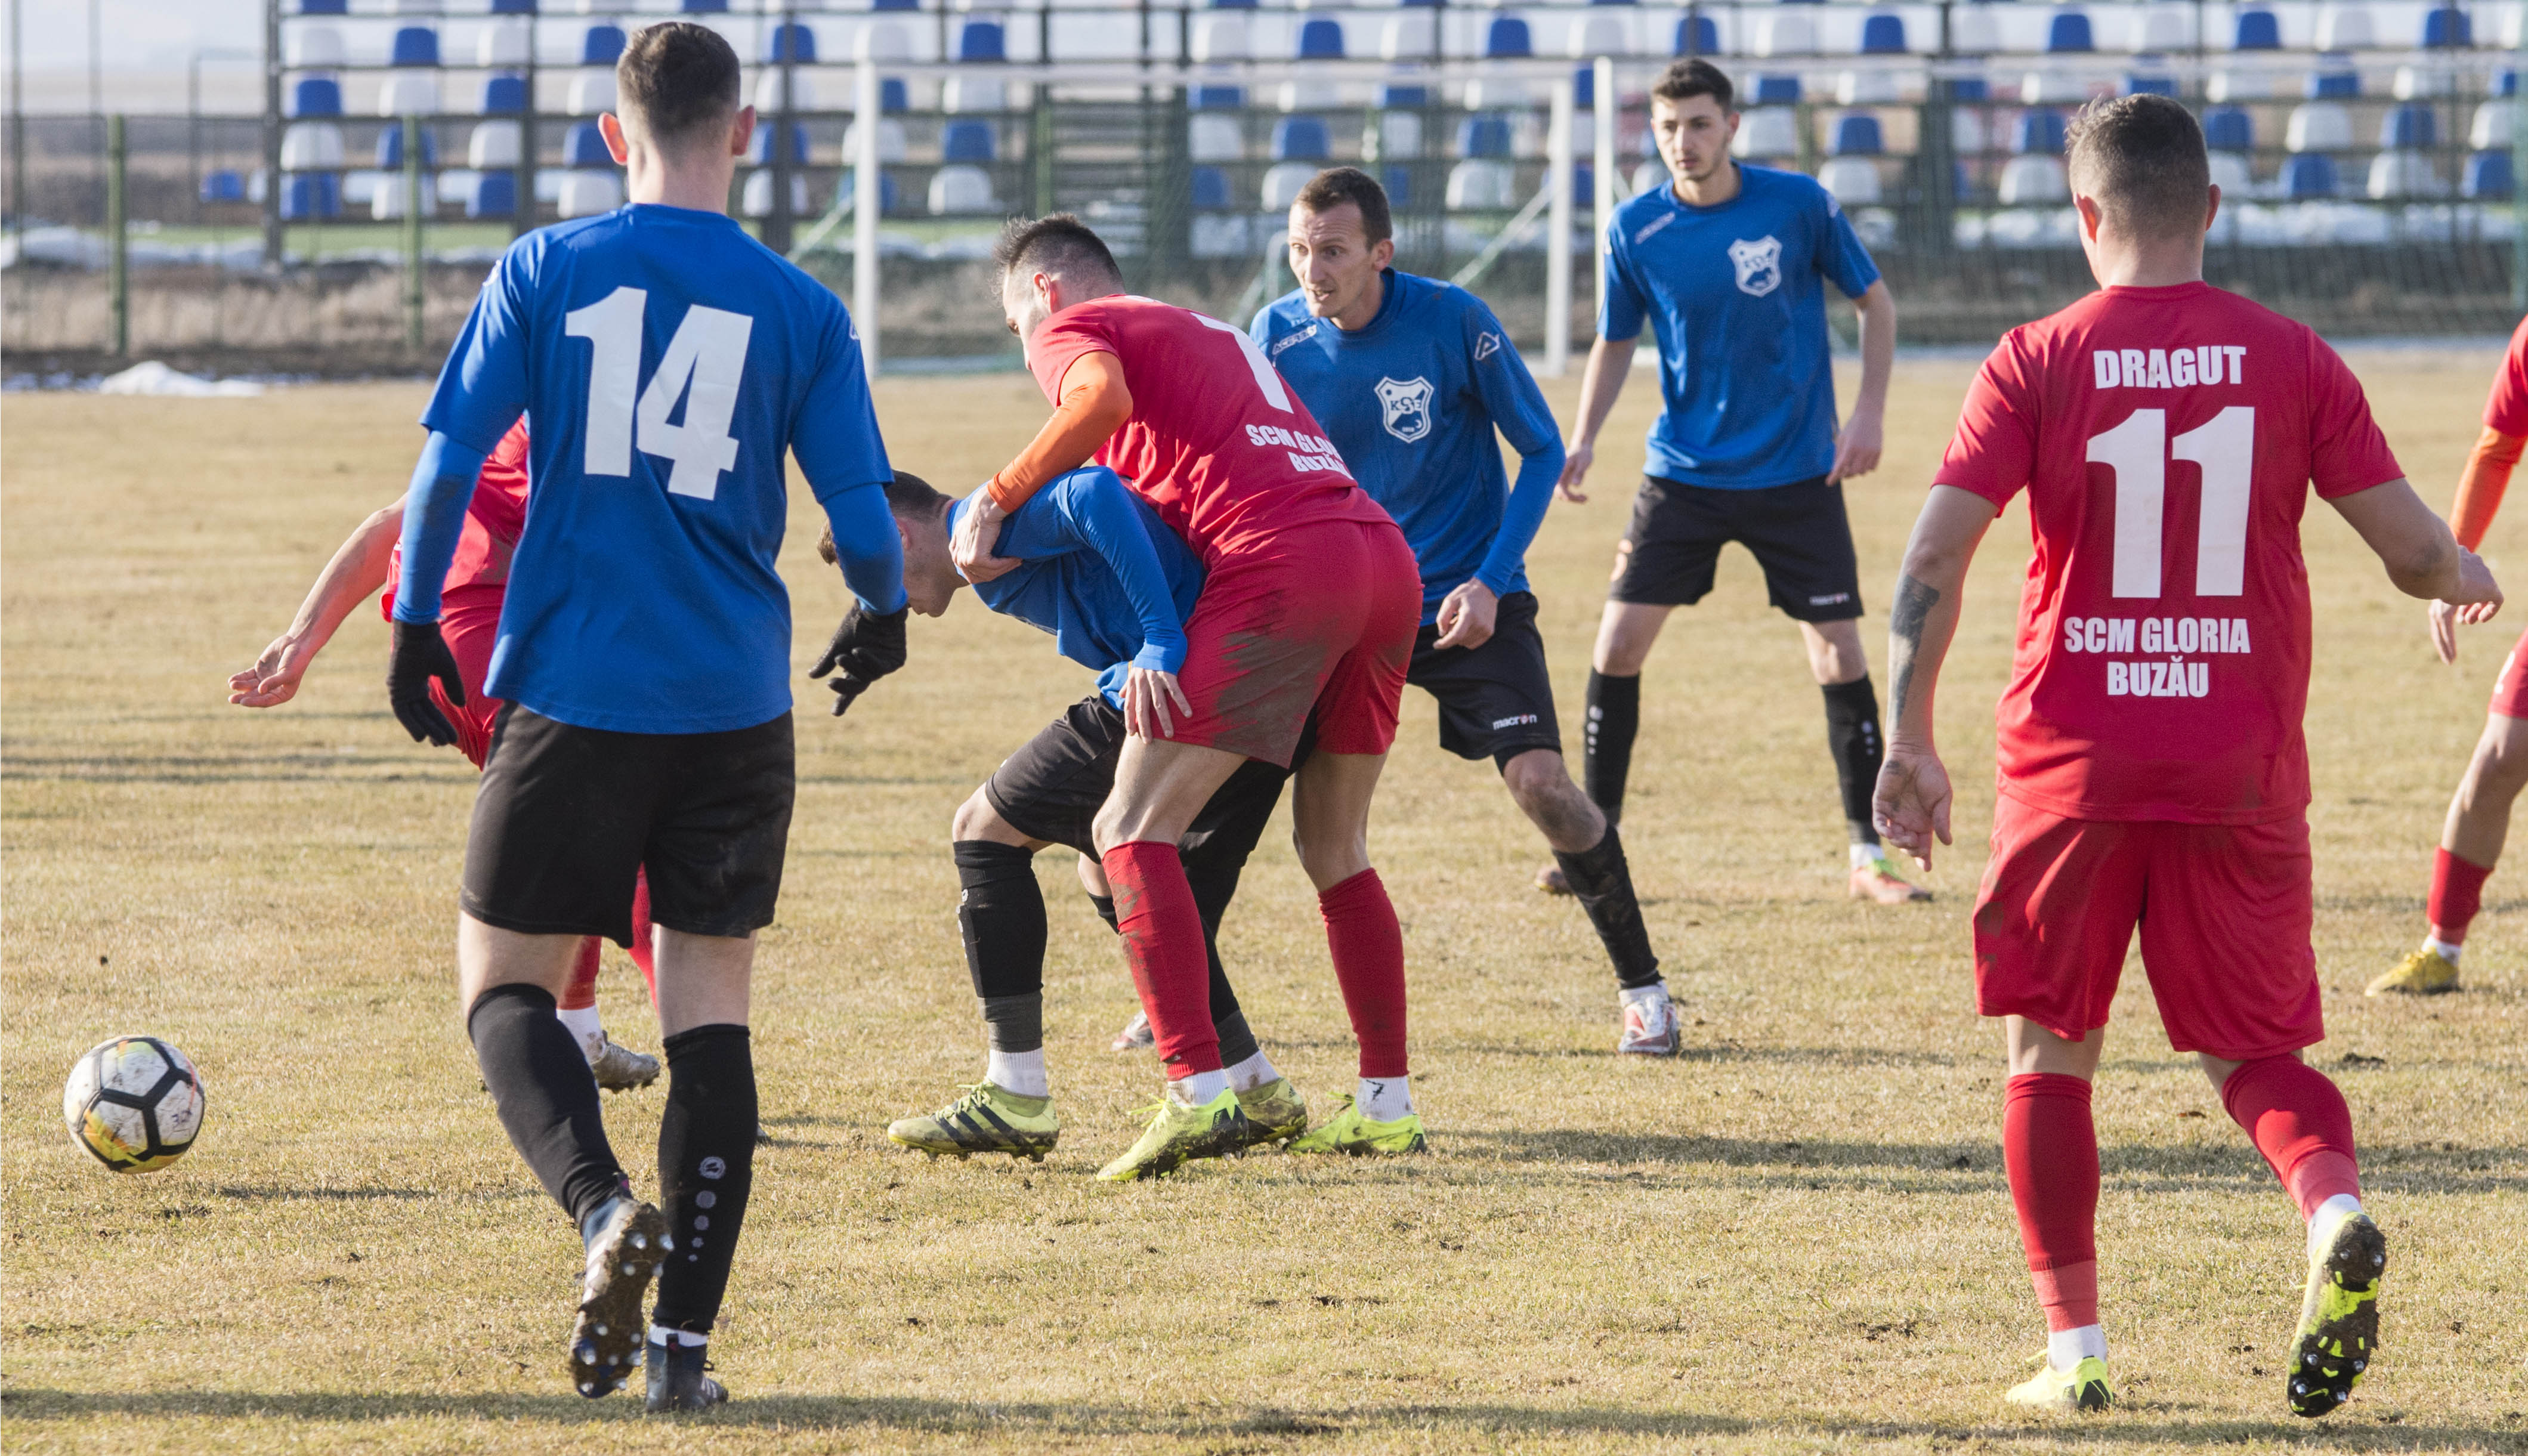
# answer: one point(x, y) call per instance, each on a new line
point(1796, 1236)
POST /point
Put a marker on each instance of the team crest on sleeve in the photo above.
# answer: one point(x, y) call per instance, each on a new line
point(1406, 405)
point(1759, 264)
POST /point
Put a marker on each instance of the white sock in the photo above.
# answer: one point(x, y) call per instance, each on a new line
point(2326, 1218)
point(1253, 1072)
point(2441, 949)
point(2065, 1348)
point(1385, 1099)
point(1635, 995)
point(1196, 1088)
point(1021, 1073)
point(1868, 855)
point(660, 1335)
point(583, 1023)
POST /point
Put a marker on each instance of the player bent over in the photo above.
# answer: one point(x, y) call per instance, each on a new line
point(1308, 611)
point(371, 557)
point(2478, 818)
point(1727, 265)
point(1410, 377)
point(670, 361)
point(2153, 771)
point(1113, 586)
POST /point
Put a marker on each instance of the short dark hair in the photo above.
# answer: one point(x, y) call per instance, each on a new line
point(1336, 186)
point(678, 79)
point(1693, 77)
point(908, 495)
point(1056, 244)
point(2143, 158)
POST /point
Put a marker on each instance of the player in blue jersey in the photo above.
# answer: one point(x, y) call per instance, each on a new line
point(1728, 266)
point(1411, 378)
point(1113, 584)
point(669, 362)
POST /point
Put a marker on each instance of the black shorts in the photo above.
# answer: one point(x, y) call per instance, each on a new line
point(1798, 532)
point(1496, 700)
point(1052, 788)
point(567, 818)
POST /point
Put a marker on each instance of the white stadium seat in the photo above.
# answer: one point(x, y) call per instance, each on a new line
point(592, 92)
point(1854, 180)
point(961, 190)
point(1283, 182)
point(1787, 31)
point(304, 47)
point(311, 146)
point(890, 140)
point(1768, 132)
point(767, 89)
point(2491, 130)
point(2319, 126)
point(408, 93)
point(585, 194)
point(1219, 37)
point(1213, 138)
point(756, 197)
point(2402, 174)
point(1479, 184)
point(501, 42)
point(2344, 28)
point(2033, 178)
point(492, 146)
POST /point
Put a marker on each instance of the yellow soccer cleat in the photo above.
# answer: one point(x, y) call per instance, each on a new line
point(2083, 1387)
point(985, 1119)
point(1179, 1135)
point(2339, 1317)
point(1350, 1132)
point(2421, 973)
point(1275, 1112)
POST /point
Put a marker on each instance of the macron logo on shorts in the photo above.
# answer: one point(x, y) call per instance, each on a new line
point(1837, 600)
point(1517, 720)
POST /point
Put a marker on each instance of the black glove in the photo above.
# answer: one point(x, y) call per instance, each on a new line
point(866, 646)
point(419, 655)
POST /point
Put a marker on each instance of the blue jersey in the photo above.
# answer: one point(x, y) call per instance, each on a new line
point(666, 361)
point(1412, 400)
point(1735, 296)
point(1102, 573)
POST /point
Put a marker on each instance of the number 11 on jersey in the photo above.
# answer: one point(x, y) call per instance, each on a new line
point(2138, 451)
point(704, 365)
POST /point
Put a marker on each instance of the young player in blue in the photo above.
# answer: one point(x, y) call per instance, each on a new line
point(671, 362)
point(1728, 266)
point(1113, 584)
point(1411, 378)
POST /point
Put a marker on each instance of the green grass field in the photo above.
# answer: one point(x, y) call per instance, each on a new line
point(1796, 1236)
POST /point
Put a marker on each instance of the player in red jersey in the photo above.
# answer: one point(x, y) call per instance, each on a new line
point(371, 558)
point(2478, 818)
point(1308, 610)
point(2150, 740)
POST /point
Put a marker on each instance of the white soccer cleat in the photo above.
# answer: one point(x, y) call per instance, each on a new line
point(619, 1068)
point(1135, 1036)
point(1650, 1027)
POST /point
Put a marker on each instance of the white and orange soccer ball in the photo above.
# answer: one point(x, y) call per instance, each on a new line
point(134, 1102)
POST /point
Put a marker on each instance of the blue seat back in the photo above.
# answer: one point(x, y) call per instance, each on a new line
point(1777, 90)
point(1697, 35)
point(1301, 139)
point(226, 185)
point(1883, 36)
point(2229, 129)
point(413, 45)
point(1858, 136)
point(966, 141)
point(2409, 125)
point(982, 42)
point(1210, 189)
point(2487, 174)
point(311, 195)
point(790, 41)
point(1404, 98)
point(2447, 26)
point(2256, 30)
point(505, 94)
point(316, 96)
point(1507, 39)
point(603, 45)
point(893, 96)
point(2341, 84)
point(1321, 39)
point(495, 194)
point(1217, 98)
point(2069, 32)
point(585, 146)
point(1484, 136)
point(2040, 132)
point(2308, 175)
point(390, 149)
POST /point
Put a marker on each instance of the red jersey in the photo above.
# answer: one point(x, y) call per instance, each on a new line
point(2167, 439)
point(1217, 443)
point(492, 520)
point(2507, 409)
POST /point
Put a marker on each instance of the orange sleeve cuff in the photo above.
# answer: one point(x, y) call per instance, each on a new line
point(1095, 403)
point(2480, 488)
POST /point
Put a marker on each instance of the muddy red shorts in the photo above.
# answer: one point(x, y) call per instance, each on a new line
point(470, 623)
point(1319, 619)
point(2225, 911)
point(2510, 692)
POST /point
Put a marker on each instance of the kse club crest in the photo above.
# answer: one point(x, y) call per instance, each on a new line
point(1406, 404)
point(1759, 264)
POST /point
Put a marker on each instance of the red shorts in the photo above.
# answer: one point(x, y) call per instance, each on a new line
point(1317, 619)
point(2225, 911)
point(470, 622)
point(2511, 691)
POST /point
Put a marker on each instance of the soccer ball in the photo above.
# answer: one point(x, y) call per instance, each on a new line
point(134, 1102)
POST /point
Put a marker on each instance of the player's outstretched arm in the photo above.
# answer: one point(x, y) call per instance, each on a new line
point(434, 518)
point(1518, 409)
point(870, 642)
point(354, 574)
point(1864, 433)
point(1095, 403)
point(2480, 488)
point(2422, 559)
point(1910, 806)
point(1609, 362)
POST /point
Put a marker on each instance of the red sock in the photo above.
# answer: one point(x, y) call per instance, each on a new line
point(581, 993)
point(1164, 944)
point(1368, 949)
point(2457, 893)
point(2300, 1125)
point(2050, 1147)
point(644, 955)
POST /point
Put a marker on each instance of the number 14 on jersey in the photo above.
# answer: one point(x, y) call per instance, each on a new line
point(704, 365)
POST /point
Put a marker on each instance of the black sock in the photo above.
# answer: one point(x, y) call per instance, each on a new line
point(1852, 736)
point(1106, 912)
point(1606, 743)
point(1237, 1039)
point(547, 1097)
point(1603, 883)
point(1000, 912)
point(1014, 1023)
point(705, 1168)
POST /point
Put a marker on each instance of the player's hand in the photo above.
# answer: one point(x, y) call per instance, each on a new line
point(418, 655)
point(1146, 696)
point(976, 533)
point(272, 680)
point(1577, 457)
point(1466, 616)
point(1857, 450)
point(866, 646)
point(2443, 619)
point(1911, 803)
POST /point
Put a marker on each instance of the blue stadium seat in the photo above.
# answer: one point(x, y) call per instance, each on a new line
point(603, 45)
point(2257, 30)
point(1217, 98)
point(1404, 98)
point(716, 7)
point(1301, 139)
point(2411, 126)
point(1971, 90)
point(514, 7)
point(758, 147)
point(1507, 39)
point(413, 45)
point(790, 41)
point(390, 149)
point(316, 96)
point(1584, 184)
point(2229, 129)
point(2140, 84)
point(492, 194)
point(982, 42)
point(583, 145)
point(1484, 136)
point(2487, 174)
point(227, 184)
point(2040, 132)
point(2341, 84)
point(890, 5)
point(2447, 26)
point(1397, 178)
point(2068, 31)
point(311, 195)
point(1321, 39)
point(1698, 35)
point(1584, 87)
point(324, 7)
point(1777, 90)
point(2308, 175)
point(1883, 36)
point(1211, 189)
point(1216, 5)
point(966, 141)
point(2505, 84)
point(893, 96)
point(1409, 4)
point(503, 95)
point(1858, 136)
point(1611, 2)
